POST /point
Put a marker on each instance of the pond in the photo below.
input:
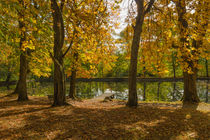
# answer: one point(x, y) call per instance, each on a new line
point(148, 91)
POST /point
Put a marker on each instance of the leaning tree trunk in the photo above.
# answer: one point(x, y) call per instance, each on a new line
point(21, 87)
point(59, 77)
point(132, 97)
point(190, 91)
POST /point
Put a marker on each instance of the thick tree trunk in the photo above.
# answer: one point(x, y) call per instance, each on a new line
point(21, 87)
point(72, 91)
point(190, 91)
point(59, 76)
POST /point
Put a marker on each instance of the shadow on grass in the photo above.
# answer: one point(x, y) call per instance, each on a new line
point(144, 122)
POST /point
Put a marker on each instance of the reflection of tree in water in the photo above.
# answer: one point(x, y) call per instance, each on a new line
point(207, 91)
point(203, 90)
point(84, 90)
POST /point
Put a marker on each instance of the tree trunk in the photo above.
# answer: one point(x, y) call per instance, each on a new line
point(9, 74)
point(190, 91)
point(72, 91)
point(158, 91)
point(144, 95)
point(59, 76)
point(174, 64)
point(132, 97)
point(21, 87)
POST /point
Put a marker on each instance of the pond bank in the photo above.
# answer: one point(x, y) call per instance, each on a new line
point(111, 79)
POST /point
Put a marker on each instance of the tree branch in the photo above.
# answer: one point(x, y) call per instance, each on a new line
point(70, 45)
point(149, 6)
point(56, 61)
point(62, 4)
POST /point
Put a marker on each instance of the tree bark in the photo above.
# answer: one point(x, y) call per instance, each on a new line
point(132, 97)
point(59, 76)
point(21, 87)
point(190, 91)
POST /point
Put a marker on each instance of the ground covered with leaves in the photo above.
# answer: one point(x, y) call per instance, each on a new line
point(93, 119)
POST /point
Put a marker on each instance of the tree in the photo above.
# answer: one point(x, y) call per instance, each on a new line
point(91, 42)
point(141, 12)
point(191, 43)
point(59, 76)
point(23, 21)
point(21, 87)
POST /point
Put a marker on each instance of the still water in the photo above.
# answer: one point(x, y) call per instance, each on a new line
point(149, 91)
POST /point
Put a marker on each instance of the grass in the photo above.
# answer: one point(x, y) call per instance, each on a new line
point(93, 119)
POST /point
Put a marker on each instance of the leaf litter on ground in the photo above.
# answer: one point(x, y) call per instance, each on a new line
point(93, 119)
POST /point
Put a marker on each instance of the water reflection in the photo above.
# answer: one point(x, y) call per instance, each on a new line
point(147, 91)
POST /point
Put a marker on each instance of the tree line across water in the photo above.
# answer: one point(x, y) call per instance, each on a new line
point(65, 38)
